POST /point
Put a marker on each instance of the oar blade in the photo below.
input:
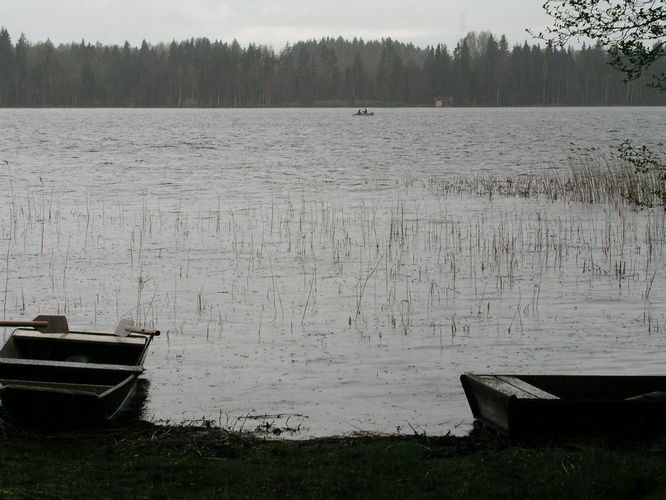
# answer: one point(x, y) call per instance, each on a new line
point(54, 324)
point(121, 329)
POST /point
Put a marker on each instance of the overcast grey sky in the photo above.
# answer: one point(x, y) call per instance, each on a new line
point(268, 22)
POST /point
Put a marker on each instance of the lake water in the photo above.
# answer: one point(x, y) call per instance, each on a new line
point(308, 273)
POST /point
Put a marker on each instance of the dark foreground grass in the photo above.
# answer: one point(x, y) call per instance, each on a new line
point(149, 461)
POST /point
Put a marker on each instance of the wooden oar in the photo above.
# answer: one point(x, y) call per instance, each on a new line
point(143, 331)
point(42, 323)
point(25, 324)
point(126, 326)
point(58, 324)
point(122, 324)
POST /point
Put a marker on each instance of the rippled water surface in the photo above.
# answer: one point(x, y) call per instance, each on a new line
point(307, 270)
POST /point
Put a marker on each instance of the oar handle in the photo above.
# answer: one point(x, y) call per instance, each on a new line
point(144, 331)
point(30, 324)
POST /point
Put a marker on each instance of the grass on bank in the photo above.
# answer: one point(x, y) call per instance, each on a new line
point(150, 461)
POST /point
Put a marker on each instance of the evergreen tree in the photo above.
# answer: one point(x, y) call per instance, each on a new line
point(7, 68)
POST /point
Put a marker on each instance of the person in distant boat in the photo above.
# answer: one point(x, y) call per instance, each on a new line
point(358, 112)
point(365, 111)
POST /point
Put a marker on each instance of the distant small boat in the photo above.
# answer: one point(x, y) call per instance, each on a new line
point(51, 376)
point(532, 405)
point(360, 113)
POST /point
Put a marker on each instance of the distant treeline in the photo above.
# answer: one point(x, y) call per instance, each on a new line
point(482, 70)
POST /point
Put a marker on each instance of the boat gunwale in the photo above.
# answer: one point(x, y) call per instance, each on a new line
point(102, 338)
point(46, 384)
point(71, 364)
point(534, 379)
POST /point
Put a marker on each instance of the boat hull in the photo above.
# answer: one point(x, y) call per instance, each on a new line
point(35, 404)
point(50, 379)
point(539, 405)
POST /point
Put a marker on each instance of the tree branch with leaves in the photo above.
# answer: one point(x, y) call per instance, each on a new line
point(633, 31)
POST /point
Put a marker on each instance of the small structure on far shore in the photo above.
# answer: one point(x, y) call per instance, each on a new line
point(443, 102)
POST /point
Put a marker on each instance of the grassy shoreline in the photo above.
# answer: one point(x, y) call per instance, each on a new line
point(157, 461)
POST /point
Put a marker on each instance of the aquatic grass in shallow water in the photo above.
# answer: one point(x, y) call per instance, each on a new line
point(482, 242)
point(592, 178)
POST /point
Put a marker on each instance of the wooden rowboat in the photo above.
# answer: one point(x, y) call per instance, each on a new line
point(51, 376)
point(533, 405)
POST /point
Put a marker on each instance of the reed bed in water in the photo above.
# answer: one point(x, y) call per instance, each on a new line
point(591, 179)
point(438, 257)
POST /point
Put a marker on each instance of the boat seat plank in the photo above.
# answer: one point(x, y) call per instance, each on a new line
point(69, 364)
point(527, 387)
point(80, 337)
point(513, 386)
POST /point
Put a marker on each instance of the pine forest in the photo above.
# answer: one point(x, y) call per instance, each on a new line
point(481, 70)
